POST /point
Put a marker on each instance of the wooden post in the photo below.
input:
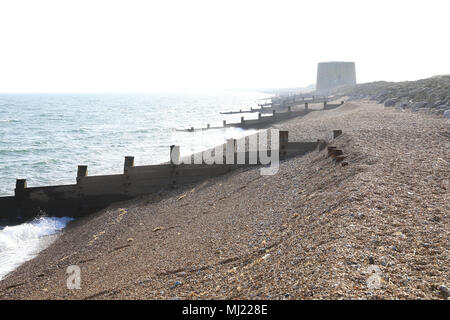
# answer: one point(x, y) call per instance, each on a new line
point(259, 115)
point(330, 150)
point(174, 154)
point(339, 158)
point(129, 162)
point(335, 152)
point(324, 105)
point(306, 105)
point(21, 185)
point(82, 172)
point(192, 129)
point(224, 123)
point(273, 112)
point(336, 133)
point(321, 144)
point(289, 109)
point(242, 120)
point(342, 102)
point(208, 126)
point(284, 137)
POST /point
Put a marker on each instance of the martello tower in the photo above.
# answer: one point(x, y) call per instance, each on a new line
point(334, 74)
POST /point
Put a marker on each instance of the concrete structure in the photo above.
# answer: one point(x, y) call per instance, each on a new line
point(333, 74)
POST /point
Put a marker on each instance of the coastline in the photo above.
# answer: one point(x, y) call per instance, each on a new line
point(310, 231)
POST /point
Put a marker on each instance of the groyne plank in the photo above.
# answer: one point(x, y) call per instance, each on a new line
point(98, 185)
point(92, 193)
point(7, 207)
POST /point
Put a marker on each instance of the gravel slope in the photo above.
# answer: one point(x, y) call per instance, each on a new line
point(431, 95)
point(309, 232)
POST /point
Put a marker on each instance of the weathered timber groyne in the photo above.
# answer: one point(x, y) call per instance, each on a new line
point(265, 121)
point(282, 103)
point(92, 193)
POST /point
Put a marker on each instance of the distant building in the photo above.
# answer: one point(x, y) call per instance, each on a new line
point(333, 74)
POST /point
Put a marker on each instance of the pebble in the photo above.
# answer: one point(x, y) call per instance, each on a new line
point(444, 290)
point(404, 282)
point(344, 242)
point(446, 114)
point(176, 284)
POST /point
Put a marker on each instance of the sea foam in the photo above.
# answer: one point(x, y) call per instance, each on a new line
point(23, 242)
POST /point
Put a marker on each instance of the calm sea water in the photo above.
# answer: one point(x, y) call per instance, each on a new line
point(44, 137)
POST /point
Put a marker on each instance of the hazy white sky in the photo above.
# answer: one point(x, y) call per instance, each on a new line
point(127, 45)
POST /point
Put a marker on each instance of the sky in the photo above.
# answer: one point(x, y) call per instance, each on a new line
point(144, 46)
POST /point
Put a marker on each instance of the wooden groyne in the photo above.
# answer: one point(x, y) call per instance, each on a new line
point(280, 104)
point(266, 121)
point(92, 193)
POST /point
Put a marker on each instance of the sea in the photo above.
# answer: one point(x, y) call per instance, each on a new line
point(44, 137)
